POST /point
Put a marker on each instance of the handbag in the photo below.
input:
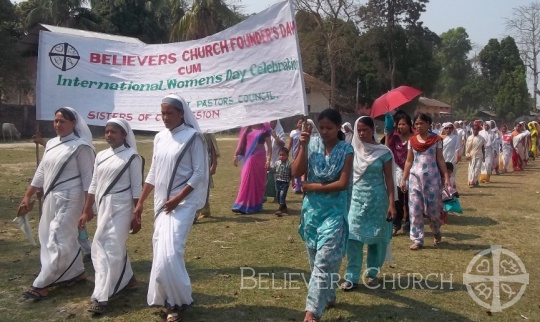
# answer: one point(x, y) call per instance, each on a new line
point(453, 205)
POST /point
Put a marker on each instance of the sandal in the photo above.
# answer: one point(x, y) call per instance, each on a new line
point(415, 247)
point(437, 238)
point(33, 293)
point(395, 232)
point(97, 308)
point(348, 286)
point(174, 317)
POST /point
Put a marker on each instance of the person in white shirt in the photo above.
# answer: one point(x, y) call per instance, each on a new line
point(179, 176)
point(64, 174)
point(451, 146)
point(115, 188)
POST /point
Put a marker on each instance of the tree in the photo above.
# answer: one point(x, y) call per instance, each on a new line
point(147, 20)
point(330, 17)
point(205, 18)
point(456, 67)
point(525, 26)
point(390, 15)
point(65, 13)
point(12, 68)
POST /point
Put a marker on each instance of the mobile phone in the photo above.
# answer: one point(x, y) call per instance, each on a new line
point(304, 126)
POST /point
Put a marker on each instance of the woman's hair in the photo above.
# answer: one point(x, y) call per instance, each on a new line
point(368, 121)
point(333, 116)
point(67, 114)
point(424, 117)
point(401, 115)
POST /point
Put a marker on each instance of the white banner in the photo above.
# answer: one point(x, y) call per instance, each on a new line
point(247, 74)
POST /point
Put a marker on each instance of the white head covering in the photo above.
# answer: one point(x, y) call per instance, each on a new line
point(446, 124)
point(179, 103)
point(314, 130)
point(130, 138)
point(346, 125)
point(81, 128)
point(367, 153)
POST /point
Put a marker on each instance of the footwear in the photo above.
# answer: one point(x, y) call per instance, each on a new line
point(34, 294)
point(373, 281)
point(278, 213)
point(348, 286)
point(415, 246)
point(284, 210)
point(97, 308)
point(395, 232)
point(206, 215)
point(174, 317)
point(437, 238)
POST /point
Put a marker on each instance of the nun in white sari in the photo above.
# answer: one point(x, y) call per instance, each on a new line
point(179, 174)
point(115, 188)
point(64, 174)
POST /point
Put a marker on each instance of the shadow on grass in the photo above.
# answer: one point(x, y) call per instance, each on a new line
point(461, 236)
point(473, 221)
point(414, 310)
point(477, 194)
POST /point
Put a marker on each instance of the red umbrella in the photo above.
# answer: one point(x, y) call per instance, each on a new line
point(393, 99)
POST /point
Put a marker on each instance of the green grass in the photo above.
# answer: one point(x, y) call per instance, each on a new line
point(504, 212)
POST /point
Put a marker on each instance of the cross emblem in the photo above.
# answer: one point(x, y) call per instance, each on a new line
point(64, 56)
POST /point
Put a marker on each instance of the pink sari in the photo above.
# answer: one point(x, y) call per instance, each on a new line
point(253, 176)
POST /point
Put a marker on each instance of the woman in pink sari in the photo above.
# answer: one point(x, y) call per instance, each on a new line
point(256, 160)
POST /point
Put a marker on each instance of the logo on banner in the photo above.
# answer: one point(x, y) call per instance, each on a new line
point(64, 56)
point(496, 278)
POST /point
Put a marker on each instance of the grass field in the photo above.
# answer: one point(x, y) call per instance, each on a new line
point(504, 212)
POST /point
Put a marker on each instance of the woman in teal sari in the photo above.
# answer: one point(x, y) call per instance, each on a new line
point(327, 161)
point(372, 204)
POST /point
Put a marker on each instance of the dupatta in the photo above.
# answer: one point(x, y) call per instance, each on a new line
point(246, 148)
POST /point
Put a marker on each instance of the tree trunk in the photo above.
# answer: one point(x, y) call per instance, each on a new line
point(535, 79)
point(332, 64)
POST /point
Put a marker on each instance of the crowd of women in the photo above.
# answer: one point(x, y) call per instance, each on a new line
point(357, 192)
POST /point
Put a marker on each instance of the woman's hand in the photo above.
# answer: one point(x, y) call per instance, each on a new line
point(137, 212)
point(403, 186)
point(267, 165)
point(85, 217)
point(304, 138)
point(171, 204)
point(447, 184)
point(307, 186)
point(235, 161)
point(25, 203)
point(392, 213)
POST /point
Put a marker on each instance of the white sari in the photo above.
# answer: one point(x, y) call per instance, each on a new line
point(117, 181)
point(64, 173)
point(474, 154)
point(451, 147)
point(169, 283)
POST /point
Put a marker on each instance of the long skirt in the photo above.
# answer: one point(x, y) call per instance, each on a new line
point(475, 166)
point(60, 253)
point(252, 184)
point(109, 253)
point(169, 283)
point(506, 156)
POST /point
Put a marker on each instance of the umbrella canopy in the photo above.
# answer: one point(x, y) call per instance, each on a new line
point(393, 99)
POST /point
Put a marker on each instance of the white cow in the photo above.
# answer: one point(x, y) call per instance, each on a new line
point(9, 128)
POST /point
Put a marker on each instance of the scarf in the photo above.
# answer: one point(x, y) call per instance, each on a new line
point(422, 147)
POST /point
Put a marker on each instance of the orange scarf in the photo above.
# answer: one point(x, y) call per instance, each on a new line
point(422, 147)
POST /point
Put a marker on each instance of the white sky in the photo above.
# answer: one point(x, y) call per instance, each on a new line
point(483, 19)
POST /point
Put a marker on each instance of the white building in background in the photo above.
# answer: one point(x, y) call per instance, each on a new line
point(317, 94)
